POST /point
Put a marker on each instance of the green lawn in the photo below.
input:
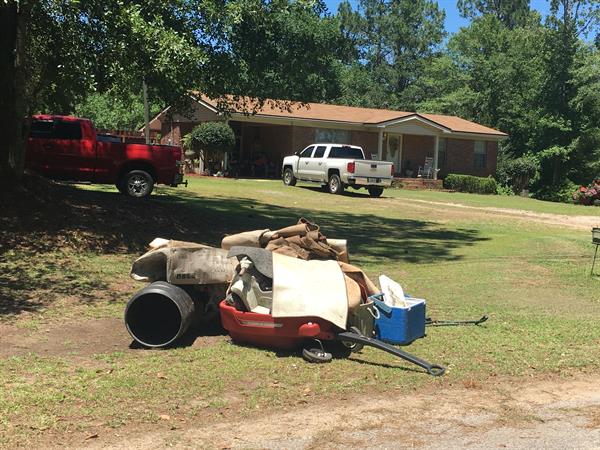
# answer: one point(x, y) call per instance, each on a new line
point(497, 201)
point(532, 280)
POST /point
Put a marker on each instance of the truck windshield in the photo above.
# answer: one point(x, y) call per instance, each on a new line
point(344, 152)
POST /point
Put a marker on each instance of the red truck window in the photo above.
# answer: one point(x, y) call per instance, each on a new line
point(55, 129)
point(67, 130)
point(41, 129)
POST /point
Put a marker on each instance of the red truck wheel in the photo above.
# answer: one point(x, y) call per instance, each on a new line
point(138, 183)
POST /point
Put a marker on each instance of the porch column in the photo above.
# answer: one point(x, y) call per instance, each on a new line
point(436, 152)
point(380, 145)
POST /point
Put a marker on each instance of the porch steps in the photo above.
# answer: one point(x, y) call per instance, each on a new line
point(418, 183)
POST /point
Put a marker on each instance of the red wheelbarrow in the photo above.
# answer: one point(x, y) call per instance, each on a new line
point(295, 332)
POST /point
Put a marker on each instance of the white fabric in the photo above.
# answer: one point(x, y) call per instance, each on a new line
point(309, 288)
point(393, 294)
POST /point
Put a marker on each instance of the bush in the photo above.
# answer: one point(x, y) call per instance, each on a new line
point(217, 137)
point(517, 173)
point(471, 184)
point(589, 195)
point(561, 192)
point(504, 190)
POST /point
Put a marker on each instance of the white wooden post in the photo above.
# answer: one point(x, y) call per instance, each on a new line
point(436, 152)
point(380, 145)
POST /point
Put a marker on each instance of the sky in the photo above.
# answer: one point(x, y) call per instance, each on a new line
point(453, 19)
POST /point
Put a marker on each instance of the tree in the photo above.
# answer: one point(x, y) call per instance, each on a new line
point(511, 13)
point(492, 75)
point(54, 53)
point(209, 141)
point(393, 41)
point(109, 110)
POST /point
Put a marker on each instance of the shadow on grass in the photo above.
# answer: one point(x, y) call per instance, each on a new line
point(42, 217)
point(348, 192)
point(369, 236)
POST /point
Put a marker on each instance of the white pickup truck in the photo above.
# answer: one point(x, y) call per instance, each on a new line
point(336, 166)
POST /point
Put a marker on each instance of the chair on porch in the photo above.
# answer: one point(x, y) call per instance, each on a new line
point(426, 170)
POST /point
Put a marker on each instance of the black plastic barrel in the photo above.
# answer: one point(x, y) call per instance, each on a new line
point(159, 314)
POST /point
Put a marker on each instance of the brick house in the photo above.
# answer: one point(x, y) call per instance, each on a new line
point(404, 138)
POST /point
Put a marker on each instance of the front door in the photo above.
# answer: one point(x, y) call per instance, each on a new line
point(394, 152)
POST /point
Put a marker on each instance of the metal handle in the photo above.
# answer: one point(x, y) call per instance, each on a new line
point(432, 369)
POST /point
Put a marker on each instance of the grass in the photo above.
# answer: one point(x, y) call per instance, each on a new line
point(532, 279)
point(498, 201)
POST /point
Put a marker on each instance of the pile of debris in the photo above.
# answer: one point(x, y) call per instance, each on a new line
point(279, 288)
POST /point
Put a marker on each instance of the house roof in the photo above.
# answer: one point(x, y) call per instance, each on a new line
point(349, 114)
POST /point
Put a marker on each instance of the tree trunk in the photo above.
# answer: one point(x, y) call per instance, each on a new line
point(13, 96)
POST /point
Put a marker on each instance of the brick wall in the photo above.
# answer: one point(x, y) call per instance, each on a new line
point(415, 149)
point(302, 137)
point(460, 158)
point(276, 142)
point(172, 135)
point(366, 140)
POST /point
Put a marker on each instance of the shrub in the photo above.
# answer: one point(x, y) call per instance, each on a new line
point(517, 173)
point(210, 137)
point(504, 190)
point(589, 195)
point(471, 184)
point(561, 192)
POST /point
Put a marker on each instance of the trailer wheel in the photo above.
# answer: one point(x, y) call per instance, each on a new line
point(138, 183)
point(288, 177)
point(316, 355)
point(375, 191)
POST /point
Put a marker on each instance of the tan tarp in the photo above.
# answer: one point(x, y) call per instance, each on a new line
point(184, 263)
point(309, 288)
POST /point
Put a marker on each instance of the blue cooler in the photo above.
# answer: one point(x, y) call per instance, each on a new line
point(401, 325)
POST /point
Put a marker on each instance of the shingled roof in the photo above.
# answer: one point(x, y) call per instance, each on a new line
point(348, 114)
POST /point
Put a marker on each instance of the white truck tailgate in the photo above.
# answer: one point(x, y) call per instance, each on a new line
point(373, 169)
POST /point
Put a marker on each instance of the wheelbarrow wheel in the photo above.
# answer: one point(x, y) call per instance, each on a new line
point(354, 346)
point(316, 355)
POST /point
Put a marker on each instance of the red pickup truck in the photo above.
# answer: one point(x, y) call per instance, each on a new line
point(68, 148)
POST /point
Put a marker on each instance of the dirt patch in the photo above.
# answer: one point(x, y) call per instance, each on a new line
point(79, 339)
point(576, 222)
point(539, 413)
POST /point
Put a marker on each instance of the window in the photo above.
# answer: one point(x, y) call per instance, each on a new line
point(108, 138)
point(442, 154)
point(41, 129)
point(67, 130)
point(306, 152)
point(333, 136)
point(480, 156)
point(346, 153)
point(319, 152)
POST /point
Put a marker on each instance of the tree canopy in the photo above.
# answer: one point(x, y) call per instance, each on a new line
point(533, 77)
point(56, 54)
